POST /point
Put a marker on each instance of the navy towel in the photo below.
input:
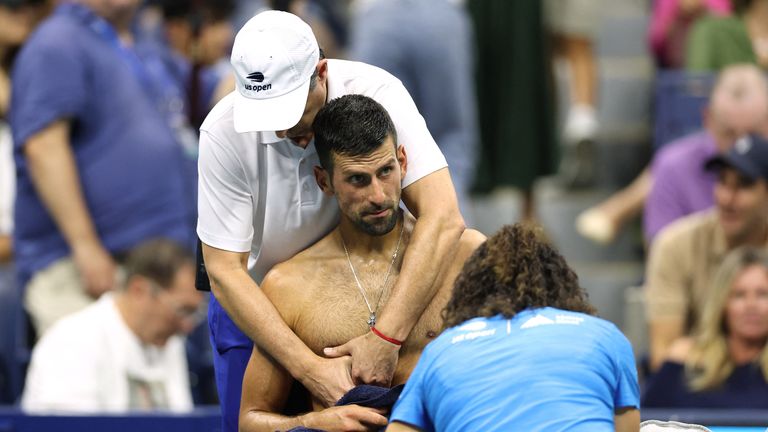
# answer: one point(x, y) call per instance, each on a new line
point(367, 396)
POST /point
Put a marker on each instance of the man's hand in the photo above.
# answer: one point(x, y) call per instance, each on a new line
point(373, 359)
point(346, 418)
point(96, 267)
point(329, 379)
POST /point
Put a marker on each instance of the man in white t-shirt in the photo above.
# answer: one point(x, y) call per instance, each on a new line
point(258, 205)
point(123, 352)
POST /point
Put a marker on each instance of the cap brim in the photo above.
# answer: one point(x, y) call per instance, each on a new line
point(274, 114)
point(742, 165)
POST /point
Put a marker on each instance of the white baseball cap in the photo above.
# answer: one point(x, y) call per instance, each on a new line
point(273, 57)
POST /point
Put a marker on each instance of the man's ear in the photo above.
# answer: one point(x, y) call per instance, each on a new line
point(323, 179)
point(139, 286)
point(402, 159)
point(322, 70)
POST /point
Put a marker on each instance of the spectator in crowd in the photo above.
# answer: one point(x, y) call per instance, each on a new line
point(327, 18)
point(417, 41)
point(200, 35)
point(258, 198)
point(522, 351)
point(670, 22)
point(676, 183)
point(17, 19)
point(685, 255)
point(99, 167)
point(515, 100)
point(124, 351)
point(716, 42)
point(681, 185)
point(725, 362)
point(574, 24)
point(353, 267)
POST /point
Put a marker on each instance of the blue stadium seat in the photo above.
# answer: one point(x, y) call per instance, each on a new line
point(679, 101)
point(14, 352)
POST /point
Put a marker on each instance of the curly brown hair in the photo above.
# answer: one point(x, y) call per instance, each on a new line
point(513, 270)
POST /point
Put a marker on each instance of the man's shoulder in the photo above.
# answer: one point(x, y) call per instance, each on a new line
point(294, 276)
point(56, 34)
point(469, 241)
point(219, 119)
point(76, 330)
point(684, 150)
point(685, 231)
point(351, 77)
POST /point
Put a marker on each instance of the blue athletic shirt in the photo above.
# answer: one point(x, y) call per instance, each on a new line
point(130, 166)
point(544, 370)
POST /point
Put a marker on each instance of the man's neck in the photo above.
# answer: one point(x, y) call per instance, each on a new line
point(127, 311)
point(757, 237)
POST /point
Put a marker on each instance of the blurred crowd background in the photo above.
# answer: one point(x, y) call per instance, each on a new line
point(554, 111)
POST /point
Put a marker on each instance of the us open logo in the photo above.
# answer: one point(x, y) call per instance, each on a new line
point(257, 77)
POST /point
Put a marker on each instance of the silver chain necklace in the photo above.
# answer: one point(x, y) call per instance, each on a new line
point(372, 316)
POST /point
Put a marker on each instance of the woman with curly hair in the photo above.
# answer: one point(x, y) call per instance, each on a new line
point(522, 350)
point(725, 363)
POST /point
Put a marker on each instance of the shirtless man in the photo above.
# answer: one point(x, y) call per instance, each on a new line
point(330, 292)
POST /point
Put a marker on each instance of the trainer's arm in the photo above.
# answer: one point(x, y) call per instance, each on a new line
point(54, 173)
point(627, 420)
point(256, 316)
point(435, 237)
point(401, 427)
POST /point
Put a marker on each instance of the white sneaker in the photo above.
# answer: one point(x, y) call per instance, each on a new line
point(580, 125)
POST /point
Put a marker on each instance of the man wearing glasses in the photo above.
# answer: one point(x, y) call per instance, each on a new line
point(123, 352)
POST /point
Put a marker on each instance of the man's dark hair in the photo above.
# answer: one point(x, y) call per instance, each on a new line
point(514, 270)
point(351, 125)
point(158, 260)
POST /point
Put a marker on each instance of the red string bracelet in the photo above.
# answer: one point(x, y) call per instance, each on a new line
point(385, 337)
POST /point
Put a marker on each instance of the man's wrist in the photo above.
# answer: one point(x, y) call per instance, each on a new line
point(396, 329)
point(390, 340)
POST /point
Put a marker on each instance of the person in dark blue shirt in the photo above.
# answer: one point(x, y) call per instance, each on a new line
point(724, 364)
point(99, 167)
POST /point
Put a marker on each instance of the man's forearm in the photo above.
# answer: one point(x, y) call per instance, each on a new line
point(54, 174)
point(435, 237)
point(258, 421)
point(255, 315)
point(6, 248)
point(662, 333)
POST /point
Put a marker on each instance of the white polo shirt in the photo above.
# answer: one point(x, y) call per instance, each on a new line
point(257, 192)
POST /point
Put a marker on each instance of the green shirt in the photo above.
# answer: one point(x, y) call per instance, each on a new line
point(716, 42)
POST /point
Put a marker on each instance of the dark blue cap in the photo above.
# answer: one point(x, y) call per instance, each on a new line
point(748, 156)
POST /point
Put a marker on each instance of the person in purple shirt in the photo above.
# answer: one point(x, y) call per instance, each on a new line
point(681, 186)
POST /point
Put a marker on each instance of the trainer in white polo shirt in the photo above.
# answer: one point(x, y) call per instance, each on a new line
point(259, 204)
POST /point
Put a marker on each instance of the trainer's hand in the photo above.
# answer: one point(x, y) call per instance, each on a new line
point(329, 379)
point(373, 359)
point(346, 418)
point(96, 267)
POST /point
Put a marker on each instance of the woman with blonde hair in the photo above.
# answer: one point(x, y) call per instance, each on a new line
point(725, 363)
